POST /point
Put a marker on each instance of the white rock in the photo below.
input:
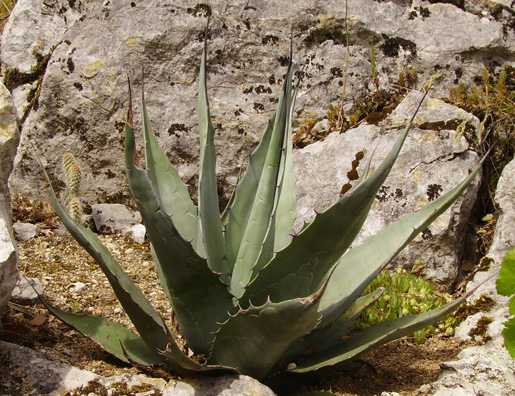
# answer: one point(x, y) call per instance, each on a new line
point(137, 232)
point(48, 377)
point(431, 163)
point(9, 138)
point(24, 293)
point(86, 78)
point(25, 231)
point(111, 218)
point(487, 370)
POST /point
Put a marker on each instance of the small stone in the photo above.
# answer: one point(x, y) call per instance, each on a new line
point(137, 232)
point(79, 286)
point(24, 293)
point(25, 231)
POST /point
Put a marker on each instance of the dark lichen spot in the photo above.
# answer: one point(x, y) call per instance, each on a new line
point(201, 9)
point(78, 86)
point(392, 45)
point(427, 234)
point(260, 89)
point(241, 131)
point(328, 29)
point(248, 90)
point(177, 129)
point(271, 80)
point(258, 107)
point(110, 174)
point(246, 22)
point(459, 73)
point(336, 72)
point(359, 155)
point(284, 61)
point(398, 193)
point(433, 191)
point(70, 64)
point(270, 39)
point(355, 163)
point(133, 4)
point(383, 194)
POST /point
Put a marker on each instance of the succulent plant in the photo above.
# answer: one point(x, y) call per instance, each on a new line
point(249, 295)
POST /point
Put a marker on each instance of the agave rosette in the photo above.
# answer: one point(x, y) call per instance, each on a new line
point(249, 296)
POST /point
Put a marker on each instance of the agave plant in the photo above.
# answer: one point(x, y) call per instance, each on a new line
point(249, 295)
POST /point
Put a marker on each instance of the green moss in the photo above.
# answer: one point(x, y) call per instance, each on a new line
point(481, 329)
point(405, 294)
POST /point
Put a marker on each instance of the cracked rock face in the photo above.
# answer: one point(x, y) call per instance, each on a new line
point(68, 71)
point(430, 164)
point(487, 369)
point(9, 139)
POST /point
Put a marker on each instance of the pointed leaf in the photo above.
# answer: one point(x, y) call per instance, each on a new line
point(254, 340)
point(170, 189)
point(250, 219)
point(110, 335)
point(307, 261)
point(360, 265)
point(373, 337)
point(146, 320)
point(199, 298)
point(209, 211)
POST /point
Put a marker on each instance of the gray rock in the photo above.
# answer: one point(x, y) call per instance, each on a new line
point(81, 107)
point(487, 369)
point(112, 218)
point(25, 231)
point(431, 163)
point(24, 293)
point(48, 377)
point(9, 138)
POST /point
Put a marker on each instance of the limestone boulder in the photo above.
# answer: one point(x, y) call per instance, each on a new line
point(487, 369)
point(44, 376)
point(433, 160)
point(69, 71)
point(9, 139)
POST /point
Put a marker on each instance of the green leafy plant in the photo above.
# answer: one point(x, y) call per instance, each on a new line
point(404, 294)
point(249, 296)
point(506, 287)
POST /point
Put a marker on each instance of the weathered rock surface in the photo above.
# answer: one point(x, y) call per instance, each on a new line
point(24, 293)
point(112, 218)
point(488, 369)
point(9, 138)
point(430, 164)
point(48, 377)
point(25, 231)
point(91, 48)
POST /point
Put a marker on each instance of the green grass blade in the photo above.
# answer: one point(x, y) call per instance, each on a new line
point(356, 269)
point(374, 336)
point(199, 298)
point(303, 266)
point(209, 210)
point(254, 340)
point(170, 189)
